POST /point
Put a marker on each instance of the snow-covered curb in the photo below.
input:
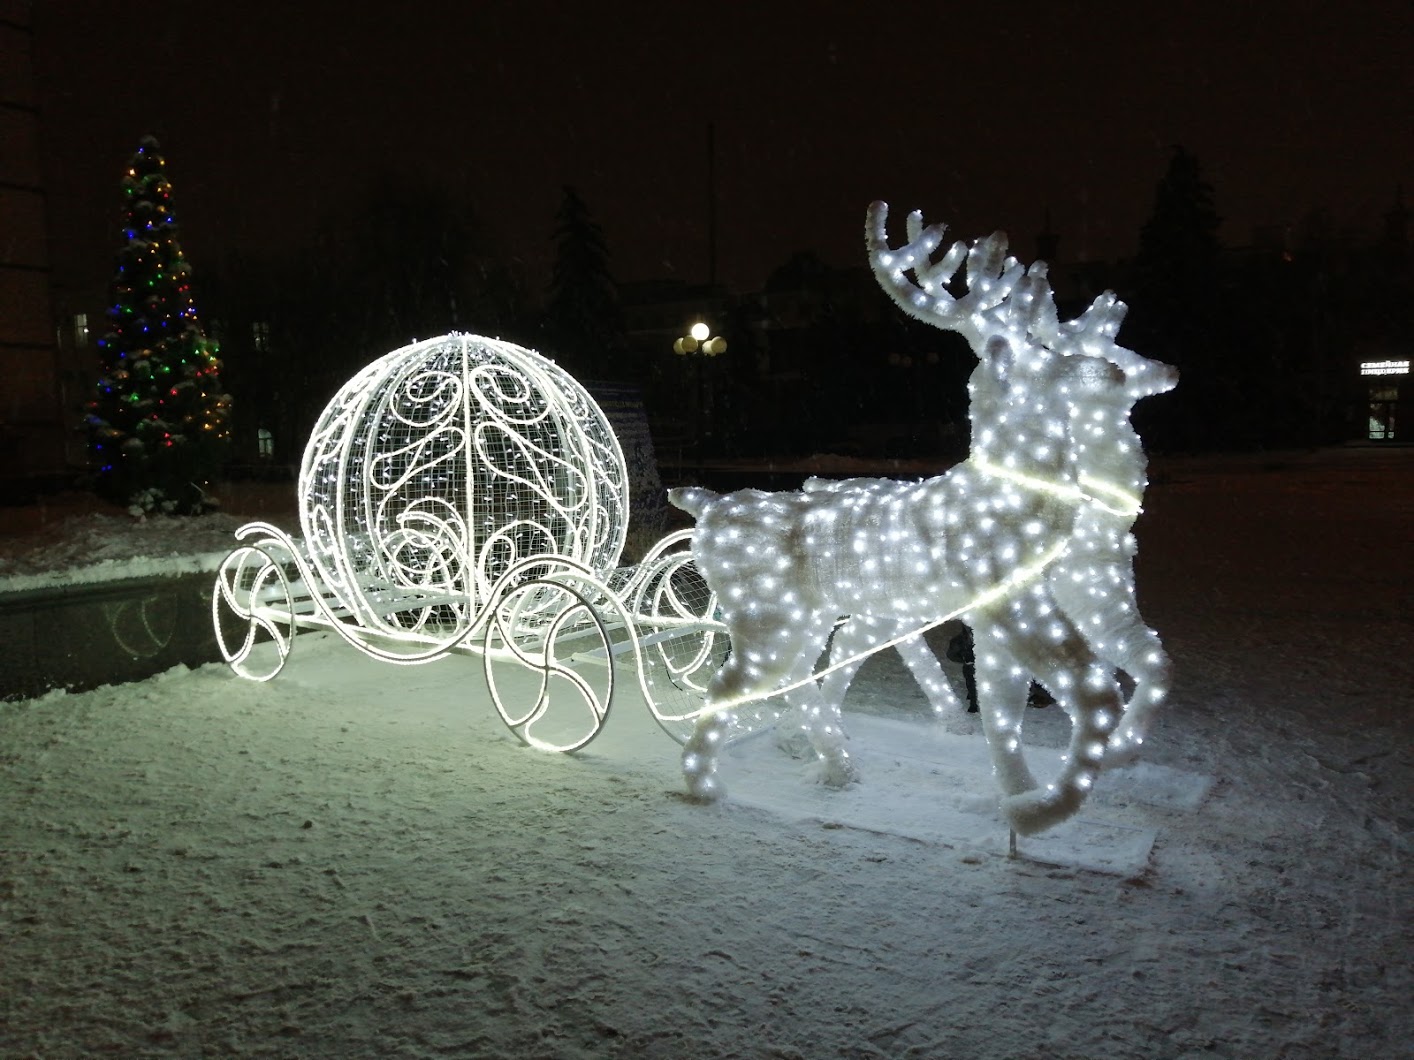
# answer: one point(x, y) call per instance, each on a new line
point(111, 570)
point(95, 547)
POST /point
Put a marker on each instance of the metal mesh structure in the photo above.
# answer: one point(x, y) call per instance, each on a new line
point(440, 466)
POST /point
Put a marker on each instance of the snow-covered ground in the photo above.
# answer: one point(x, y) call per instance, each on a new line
point(73, 539)
point(357, 859)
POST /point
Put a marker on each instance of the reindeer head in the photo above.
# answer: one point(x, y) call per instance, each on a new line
point(1029, 404)
point(1093, 333)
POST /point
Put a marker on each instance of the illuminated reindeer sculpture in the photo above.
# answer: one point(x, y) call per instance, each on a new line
point(977, 542)
point(1093, 582)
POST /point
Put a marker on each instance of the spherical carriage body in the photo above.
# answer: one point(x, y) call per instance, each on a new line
point(445, 464)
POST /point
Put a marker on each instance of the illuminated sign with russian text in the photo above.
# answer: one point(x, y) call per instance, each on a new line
point(1384, 367)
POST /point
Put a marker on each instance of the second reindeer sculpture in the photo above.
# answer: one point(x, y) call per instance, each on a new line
point(1093, 581)
point(980, 542)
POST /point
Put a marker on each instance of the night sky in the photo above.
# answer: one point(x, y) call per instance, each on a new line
point(983, 114)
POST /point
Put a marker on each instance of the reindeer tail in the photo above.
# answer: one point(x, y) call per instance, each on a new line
point(691, 499)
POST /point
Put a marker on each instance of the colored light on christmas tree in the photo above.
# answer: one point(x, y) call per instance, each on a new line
point(158, 421)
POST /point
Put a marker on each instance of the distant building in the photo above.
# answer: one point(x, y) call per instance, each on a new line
point(1390, 397)
point(33, 432)
point(1384, 353)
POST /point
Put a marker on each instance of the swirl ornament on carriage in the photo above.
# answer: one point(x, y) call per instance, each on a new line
point(443, 465)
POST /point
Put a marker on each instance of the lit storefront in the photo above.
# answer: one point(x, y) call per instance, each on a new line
point(1388, 385)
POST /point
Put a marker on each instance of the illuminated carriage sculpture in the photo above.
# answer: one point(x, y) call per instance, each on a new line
point(467, 495)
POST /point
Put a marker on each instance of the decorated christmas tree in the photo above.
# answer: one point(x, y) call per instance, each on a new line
point(157, 423)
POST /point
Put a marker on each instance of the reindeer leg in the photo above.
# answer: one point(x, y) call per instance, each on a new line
point(699, 755)
point(860, 634)
point(928, 672)
point(793, 731)
point(770, 649)
point(1002, 685)
point(822, 715)
point(827, 738)
point(1086, 688)
point(748, 669)
point(1142, 656)
point(1102, 605)
point(856, 634)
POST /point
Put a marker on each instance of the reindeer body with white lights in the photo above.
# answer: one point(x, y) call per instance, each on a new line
point(1093, 581)
point(978, 542)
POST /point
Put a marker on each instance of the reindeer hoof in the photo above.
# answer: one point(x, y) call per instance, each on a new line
point(1036, 810)
point(836, 773)
point(1120, 754)
point(705, 788)
point(793, 740)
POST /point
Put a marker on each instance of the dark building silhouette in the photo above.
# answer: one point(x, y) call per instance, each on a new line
point(32, 419)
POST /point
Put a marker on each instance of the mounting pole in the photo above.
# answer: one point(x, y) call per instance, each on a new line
point(711, 204)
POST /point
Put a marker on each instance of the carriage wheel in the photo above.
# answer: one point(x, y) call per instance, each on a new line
point(252, 594)
point(548, 660)
point(681, 646)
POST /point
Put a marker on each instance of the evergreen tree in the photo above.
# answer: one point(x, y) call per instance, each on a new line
point(1178, 245)
point(1176, 270)
point(583, 313)
point(1178, 309)
point(158, 422)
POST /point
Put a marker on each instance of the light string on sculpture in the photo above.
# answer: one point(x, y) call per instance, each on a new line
point(567, 486)
point(1125, 502)
point(776, 604)
point(493, 445)
point(507, 625)
point(1129, 506)
point(267, 536)
point(257, 618)
point(425, 550)
point(362, 557)
point(1010, 584)
point(428, 548)
point(447, 461)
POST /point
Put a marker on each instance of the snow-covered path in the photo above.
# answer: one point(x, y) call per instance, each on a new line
point(358, 860)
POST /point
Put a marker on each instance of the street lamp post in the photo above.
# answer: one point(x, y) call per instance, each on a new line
point(700, 343)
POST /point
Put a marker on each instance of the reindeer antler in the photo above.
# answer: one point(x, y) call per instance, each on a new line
point(992, 275)
point(1094, 333)
point(1003, 296)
